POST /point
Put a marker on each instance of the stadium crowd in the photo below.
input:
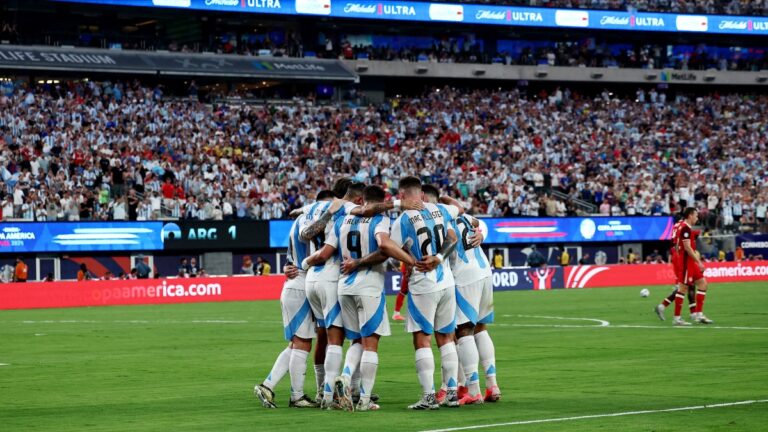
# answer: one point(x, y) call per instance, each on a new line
point(725, 7)
point(118, 150)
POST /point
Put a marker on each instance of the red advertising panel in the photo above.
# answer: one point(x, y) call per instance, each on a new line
point(139, 291)
point(593, 276)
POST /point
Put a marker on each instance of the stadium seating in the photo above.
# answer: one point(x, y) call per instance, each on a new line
point(118, 150)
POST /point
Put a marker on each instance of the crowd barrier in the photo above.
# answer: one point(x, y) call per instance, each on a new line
point(215, 289)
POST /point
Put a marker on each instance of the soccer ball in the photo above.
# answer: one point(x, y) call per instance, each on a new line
point(644, 292)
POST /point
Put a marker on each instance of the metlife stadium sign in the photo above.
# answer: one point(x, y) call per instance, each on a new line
point(471, 14)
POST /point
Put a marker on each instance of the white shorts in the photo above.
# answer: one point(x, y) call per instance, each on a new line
point(324, 300)
point(475, 302)
point(432, 312)
point(297, 314)
point(370, 311)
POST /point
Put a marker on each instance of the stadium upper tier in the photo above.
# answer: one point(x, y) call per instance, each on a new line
point(710, 7)
point(119, 150)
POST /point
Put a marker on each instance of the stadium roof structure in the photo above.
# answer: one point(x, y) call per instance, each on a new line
point(141, 62)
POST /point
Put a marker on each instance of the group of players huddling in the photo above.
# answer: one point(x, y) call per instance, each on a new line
point(338, 248)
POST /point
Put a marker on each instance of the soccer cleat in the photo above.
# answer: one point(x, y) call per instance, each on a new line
point(471, 400)
point(702, 319)
point(356, 397)
point(303, 402)
point(265, 395)
point(342, 390)
point(659, 309)
point(319, 398)
point(440, 397)
point(680, 322)
point(367, 406)
point(462, 391)
point(427, 402)
point(451, 399)
point(397, 317)
point(492, 394)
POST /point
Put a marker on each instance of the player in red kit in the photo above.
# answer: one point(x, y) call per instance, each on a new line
point(674, 259)
point(690, 269)
point(403, 292)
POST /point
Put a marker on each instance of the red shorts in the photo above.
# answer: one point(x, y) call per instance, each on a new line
point(677, 266)
point(690, 272)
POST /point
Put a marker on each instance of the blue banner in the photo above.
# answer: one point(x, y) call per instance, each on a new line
point(577, 229)
point(471, 14)
point(753, 244)
point(512, 279)
point(26, 237)
point(546, 230)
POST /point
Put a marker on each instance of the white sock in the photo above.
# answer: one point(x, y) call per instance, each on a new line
point(460, 373)
point(332, 366)
point(449, 362)
point(352, 359)
point(279, 369)
point(298, 368)
point(425, 368)
point(319, 377)
point(369, 363)
point(468, 360)
point(487, 357)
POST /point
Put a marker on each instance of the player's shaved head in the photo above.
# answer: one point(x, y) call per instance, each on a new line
point(410, 186)
point(688, 212)
point(374, 194)
point(355, 193)
point(430, 193)
point(341, 186)
point(325, 195)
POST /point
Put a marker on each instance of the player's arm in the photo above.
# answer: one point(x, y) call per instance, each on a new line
point(351, 264)
point(692, 253)
point(372, 209)
point(445, 199)
point(312, 230)
point(319, 257)
point(392, 250)
point(431, 262)
point(476, 239)
point(296, 212)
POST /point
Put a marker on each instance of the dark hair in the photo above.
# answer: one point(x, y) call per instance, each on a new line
point(340, 187)
point(409, 182)
point(430, 190)
point(355, 190)
point(374, 194)
point(689, 211)
point(83, 267)
point(325, 194)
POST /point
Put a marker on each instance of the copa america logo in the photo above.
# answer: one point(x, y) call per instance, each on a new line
point(588, 229)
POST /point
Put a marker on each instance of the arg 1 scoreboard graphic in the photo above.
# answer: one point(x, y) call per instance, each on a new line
point(482, 14)
point(80, 237)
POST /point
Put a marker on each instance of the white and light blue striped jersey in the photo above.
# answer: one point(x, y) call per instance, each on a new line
point(427, 230)
point(355, 237)
point(312, 213)
point(297, 249)
point(469, 264)
point(329, 271)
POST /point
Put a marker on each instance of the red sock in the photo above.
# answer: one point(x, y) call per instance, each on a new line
point(700, 296)
point(399, 302)
point(666, 302)
point(678, 304)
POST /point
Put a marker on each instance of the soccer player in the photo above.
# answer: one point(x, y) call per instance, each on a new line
point(360, 291)
point(431, 306)
point(691, 271)
point(474, 298)
point(299, 330)
point(674, 259)
point(404, 270)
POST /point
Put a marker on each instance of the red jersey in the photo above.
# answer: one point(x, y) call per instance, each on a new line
point(680, 232)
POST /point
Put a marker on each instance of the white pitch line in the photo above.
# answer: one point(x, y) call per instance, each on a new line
point(594, 416)
point(4, 364)
point(607, 324)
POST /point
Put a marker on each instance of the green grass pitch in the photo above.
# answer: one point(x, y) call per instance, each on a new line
point(171, 368)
